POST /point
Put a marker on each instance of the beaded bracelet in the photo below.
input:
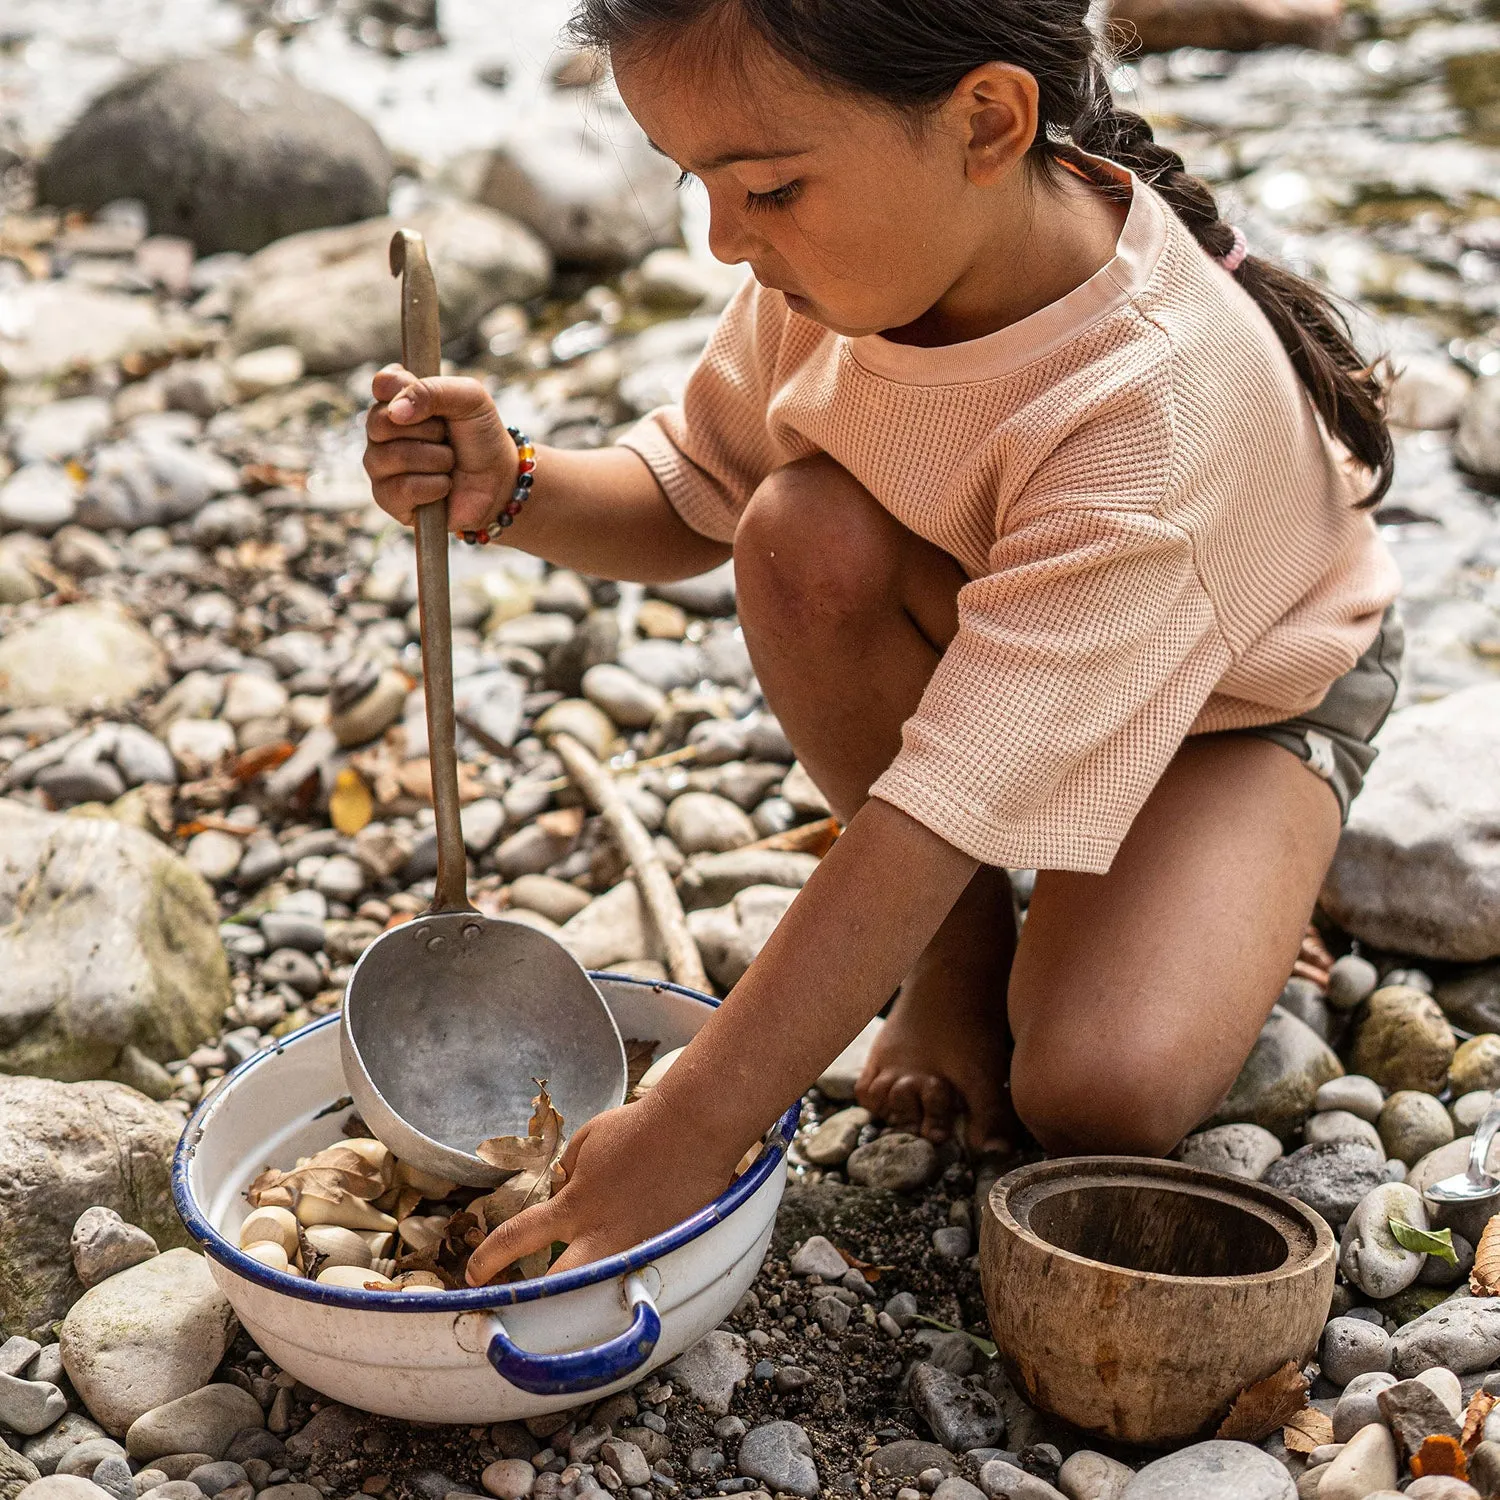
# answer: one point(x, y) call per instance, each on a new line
point(525, 475)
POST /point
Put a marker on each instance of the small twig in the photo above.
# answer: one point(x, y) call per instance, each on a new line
point(655, 762)
point(657, 891)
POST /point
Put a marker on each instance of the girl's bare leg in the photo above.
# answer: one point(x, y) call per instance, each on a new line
point(846, 614)
point(1136, 995)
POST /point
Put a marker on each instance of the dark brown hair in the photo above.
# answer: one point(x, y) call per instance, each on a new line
point(911, 54)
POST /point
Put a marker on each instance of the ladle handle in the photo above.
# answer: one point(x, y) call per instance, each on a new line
point(1479, 1147)
point(421, 353)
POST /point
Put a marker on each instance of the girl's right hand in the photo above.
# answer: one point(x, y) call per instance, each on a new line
point(442, 436)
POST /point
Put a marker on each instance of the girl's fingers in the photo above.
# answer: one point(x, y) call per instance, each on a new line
point(453, 397)
point(380, 429)
point(400, 496)
point(534, 1229)
point(385, 459)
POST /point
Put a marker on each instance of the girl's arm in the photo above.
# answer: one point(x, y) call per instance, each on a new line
point(837, 956)
point(600, 511)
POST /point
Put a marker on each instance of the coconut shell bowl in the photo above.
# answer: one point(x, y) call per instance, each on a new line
point(1136, 1298)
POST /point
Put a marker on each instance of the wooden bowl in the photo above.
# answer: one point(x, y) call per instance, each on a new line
point(1136, 1298)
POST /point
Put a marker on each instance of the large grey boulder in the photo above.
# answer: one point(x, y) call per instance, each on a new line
point(82, 657)
point(328, 293)
point(65, 1148)
point(107, 939)
point(580, 172)
point(223, 151)
point(1418, 866)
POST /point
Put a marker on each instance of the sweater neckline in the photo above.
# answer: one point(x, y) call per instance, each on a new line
point(1136, 252)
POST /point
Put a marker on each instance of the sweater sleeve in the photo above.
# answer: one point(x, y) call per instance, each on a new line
point(1079, 664)
point(711, 450)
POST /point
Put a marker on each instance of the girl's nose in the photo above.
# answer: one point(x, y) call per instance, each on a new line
point(727, 240)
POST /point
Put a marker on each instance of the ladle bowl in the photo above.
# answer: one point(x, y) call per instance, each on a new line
point(1136, 1298)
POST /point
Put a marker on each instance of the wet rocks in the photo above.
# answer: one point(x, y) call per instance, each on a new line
point(104, 1244)
point(1404, 1041)
point(1414, 870)
point(1369, 1254)
point(1280, 1079)
point(326, 293)
point(1215, 1470)
point(146, 1337)
point(224, 152)
point(1331, 1179)
point(896, 1161)
point(1241, 1150)
point(780, 1455)
point(116, 942)
point(79, 657)
point(203, 1421)
point(65, 1148)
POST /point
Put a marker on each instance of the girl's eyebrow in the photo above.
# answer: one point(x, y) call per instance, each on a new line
point(731, 158)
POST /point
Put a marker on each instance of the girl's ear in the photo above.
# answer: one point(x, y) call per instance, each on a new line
point(993, 114)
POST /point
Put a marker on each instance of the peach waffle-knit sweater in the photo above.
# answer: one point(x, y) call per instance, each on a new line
point(1159, 537)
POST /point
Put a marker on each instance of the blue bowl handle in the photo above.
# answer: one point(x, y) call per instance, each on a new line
point(581, 1369)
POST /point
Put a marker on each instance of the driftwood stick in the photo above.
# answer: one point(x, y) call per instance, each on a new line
point(651, 877)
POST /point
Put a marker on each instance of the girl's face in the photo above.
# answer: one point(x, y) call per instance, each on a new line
point(832, 200)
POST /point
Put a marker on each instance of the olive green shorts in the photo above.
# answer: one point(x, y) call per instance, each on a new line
point(1333, 739)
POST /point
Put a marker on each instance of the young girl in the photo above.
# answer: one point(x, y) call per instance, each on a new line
point(1049, 514)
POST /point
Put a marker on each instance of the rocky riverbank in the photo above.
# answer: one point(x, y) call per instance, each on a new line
point(213, 786)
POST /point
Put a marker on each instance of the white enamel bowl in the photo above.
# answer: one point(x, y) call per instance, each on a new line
point(484, 1355)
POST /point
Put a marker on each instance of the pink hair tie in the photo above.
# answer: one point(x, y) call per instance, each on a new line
point(1236, 252)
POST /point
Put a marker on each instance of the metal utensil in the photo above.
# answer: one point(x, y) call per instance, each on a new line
point(1474, 1182)
point(449, 1018)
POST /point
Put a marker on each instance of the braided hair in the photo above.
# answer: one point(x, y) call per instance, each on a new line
point(911, 54)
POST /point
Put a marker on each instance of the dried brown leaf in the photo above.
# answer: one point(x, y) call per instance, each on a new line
point(1261, 1408)
point(534, 1152)
point(562, 822)
point(515, 1194)
point(639, 1056)
point(1479, 1407)
point(1309, 1429)
point(335, 1174)
point(1440, 1454)
point(1484, 1279)
point(807, 838)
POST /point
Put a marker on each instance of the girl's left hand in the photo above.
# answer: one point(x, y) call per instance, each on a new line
point(631, 1172)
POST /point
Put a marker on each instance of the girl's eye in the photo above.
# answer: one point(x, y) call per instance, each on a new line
point(683, 178)
point(776, 198)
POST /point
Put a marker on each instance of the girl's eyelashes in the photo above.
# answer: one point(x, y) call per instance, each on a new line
point(776, 198)
point(757, 202)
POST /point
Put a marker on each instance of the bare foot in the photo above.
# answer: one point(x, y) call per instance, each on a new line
point(944, 1051)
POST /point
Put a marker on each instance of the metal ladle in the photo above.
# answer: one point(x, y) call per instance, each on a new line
point(450, 1017)
point(1474, 1183)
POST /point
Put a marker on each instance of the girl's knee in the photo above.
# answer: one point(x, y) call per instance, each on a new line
point(812, 544)
point(1072, 1110)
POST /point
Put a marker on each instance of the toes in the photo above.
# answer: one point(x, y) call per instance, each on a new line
point(937, 1109)
point(904, 1103)
point(874, 1088)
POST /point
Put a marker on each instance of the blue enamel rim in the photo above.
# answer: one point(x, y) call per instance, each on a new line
point(478, 1299)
